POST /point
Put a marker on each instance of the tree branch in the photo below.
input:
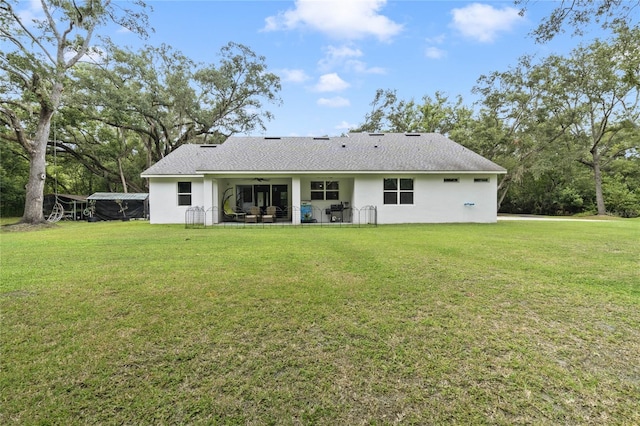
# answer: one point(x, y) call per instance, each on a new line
point(16, 125)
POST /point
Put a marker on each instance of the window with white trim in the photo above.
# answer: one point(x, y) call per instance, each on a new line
point(325, 190)
point(184, 193)
point(398, 191)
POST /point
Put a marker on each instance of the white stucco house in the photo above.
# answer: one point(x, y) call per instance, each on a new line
point(400, 177)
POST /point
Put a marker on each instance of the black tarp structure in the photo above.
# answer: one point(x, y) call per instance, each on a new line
point(118, 206)
point(73, 205)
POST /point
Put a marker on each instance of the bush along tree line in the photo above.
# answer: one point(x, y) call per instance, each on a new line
point(76, 118)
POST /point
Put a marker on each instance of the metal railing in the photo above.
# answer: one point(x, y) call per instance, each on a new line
point(309, 216)
point(195, 217)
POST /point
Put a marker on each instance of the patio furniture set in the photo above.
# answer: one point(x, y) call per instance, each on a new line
point(254, 215)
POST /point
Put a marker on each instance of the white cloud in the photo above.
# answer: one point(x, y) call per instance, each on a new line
point(336, 56)
point(293, 76)
point(335, 102)
point(331, 83)
point(95, 55)
point(343, 125)
point(343, 57)
point(340, 19)
point(483, 22)
point(439, 39)
point(435, 53)
point(33, 11)
point(362, 68)
point(342, 52)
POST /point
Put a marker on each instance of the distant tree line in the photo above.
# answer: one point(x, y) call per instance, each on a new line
point(566, 128)
point(78, 119)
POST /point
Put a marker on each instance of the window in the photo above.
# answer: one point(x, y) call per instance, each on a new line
point(481, 180)
point(317, 190)
point(449, 180)
point(184, 193)
point(245, 194)
point(325, 190)
point(332, 191)
point(398, 191)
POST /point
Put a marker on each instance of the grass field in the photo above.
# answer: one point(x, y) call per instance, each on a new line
point(511, 323)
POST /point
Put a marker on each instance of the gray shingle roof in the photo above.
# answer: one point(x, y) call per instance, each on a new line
point(118, 196)
point(359, 152)
point(182, 161)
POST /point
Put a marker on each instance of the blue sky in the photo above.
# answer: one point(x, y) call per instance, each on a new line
point(333, 55)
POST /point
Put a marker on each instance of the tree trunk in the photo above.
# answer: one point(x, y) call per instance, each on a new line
point(37, 151)
point(37, 170)
point(122, 177)
point(503, 188)
point(597, 176)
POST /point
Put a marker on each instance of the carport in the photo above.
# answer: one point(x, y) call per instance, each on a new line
point(118, 206)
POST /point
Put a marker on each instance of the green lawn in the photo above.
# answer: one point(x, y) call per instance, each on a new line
point(511, 323)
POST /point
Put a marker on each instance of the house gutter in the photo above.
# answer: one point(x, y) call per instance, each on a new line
point(350, 172)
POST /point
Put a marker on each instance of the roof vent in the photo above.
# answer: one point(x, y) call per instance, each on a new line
point(344, 145)
point(323, 138)
point(208, 146)
point(376, 134)
point(271, 138)
point(412, 134)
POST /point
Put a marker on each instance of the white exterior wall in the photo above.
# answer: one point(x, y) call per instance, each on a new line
point(434, 201)
point(163, 199)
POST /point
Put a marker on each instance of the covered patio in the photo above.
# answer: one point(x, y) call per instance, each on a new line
point(199, 217)
point(279, 199)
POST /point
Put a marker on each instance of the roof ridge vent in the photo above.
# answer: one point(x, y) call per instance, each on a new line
point(376, 134)
point(413, 134)
point(209, 145)
point(321, 138)
point(272, 138)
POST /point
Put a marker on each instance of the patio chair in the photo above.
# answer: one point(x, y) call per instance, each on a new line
point(232, 212)
point(271, 215)
point(253, 216)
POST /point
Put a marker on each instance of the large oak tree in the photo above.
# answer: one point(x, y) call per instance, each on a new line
point(37, 56)
point(167, 99)
point(577, 14)
point(583, 107)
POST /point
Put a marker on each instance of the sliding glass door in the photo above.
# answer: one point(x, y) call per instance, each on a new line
point(263, 196)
